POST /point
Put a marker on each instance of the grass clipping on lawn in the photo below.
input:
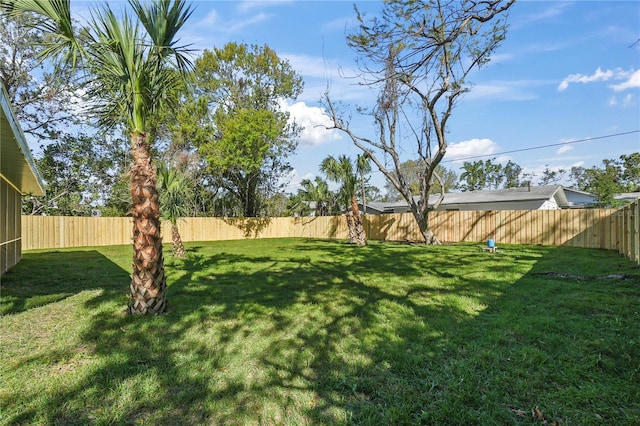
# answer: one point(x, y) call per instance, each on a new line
point(293, 331)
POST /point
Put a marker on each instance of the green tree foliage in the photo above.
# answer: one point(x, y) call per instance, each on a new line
point(615, 176)
point(418, 56)
point(473, 177)
point(481, 175)
point(43, 105)
point(276, 205)
point(78, 171)
point(241, 88)
point(117, 200)
point(241, 153)
point(550, 176)
point(512, 175)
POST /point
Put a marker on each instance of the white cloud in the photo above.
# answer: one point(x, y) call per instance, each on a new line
point(312, 66)
point(628, 100)
point(321, 74)
point(471, 148)
point(210, 19)
point(248, 6)
point(343, 24)
point(502, 159)
point(599, 75)
point(215, 23)
point(237, 26)
point(632, 83)
point(551, 12)
point(498, 58)
point(563, 149)
point(314, 121)
point(632, 79)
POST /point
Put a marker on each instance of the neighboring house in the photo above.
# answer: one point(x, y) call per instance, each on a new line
point(627, 197)
point(18, 176)
point(382, 207)
point(550, 197)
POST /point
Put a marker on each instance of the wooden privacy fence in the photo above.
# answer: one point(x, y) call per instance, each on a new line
point(593, 228)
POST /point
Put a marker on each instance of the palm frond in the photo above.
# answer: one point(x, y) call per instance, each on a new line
point(162, 20)
point(58, 27)
point(116, 69)
point(342, 171)
point(174, 189)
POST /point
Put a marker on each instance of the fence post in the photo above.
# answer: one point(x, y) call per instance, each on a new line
point(636, 231)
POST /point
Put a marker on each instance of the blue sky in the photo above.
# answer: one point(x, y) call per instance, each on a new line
point(567, 71)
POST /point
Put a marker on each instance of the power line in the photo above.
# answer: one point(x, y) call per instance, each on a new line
point(542, 146)
point(519, 150)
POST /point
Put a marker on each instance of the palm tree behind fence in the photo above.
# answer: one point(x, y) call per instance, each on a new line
point(175, 191)
point(347, 174)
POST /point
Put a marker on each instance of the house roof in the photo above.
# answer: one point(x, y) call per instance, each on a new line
point(627, 196)
point(532, 193)
point(383, 206)
point(16, 164)
point(496, 196)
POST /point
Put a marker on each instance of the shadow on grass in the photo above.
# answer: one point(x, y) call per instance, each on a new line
point(53, 276)
point(327, 333)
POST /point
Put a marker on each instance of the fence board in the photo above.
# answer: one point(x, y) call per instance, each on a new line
point(602, 228)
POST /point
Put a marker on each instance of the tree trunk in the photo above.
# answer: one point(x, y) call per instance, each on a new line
point(178, 247)
point(350, 226)
point(249, 201)
point(427, 233)
point(148, 285)
point(360, 237)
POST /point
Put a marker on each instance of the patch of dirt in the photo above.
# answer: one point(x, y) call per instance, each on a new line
point(586, 277)
point(81, 356)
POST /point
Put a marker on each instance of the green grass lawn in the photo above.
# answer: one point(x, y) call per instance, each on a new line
point(292, 331)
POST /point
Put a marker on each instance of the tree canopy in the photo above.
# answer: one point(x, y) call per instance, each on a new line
point(614, 177)
point(242, 88)
point(488, 174)
point(79, 171)
point(418, 56)
point(41, 96)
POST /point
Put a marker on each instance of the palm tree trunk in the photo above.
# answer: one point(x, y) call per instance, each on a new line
point(352, 233)
point(358, 226)
point(148, 285)
point(178, 247)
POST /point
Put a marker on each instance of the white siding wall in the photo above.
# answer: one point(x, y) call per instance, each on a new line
point(578, 198)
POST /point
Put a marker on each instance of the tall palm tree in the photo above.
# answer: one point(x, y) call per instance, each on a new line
point(345, 173)
point(129, 68)
point(175, 191)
